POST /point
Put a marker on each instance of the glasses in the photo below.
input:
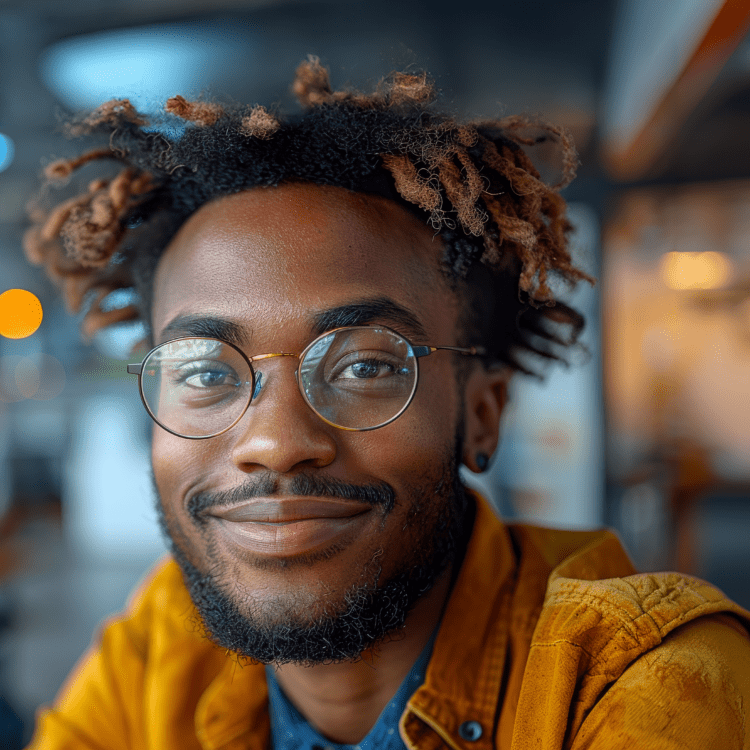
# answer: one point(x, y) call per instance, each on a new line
point(355, 378)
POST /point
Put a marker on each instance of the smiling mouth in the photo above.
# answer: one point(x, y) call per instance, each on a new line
point(288, 510)
point(284, 527)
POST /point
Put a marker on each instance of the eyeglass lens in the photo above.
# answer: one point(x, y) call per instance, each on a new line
point(196, 387)
point(355, 378)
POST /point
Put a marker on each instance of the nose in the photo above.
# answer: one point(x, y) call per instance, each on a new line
point(279, 431)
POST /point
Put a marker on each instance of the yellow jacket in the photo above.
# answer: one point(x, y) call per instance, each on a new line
point(550, 640)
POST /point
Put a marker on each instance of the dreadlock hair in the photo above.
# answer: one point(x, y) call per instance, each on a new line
point(503, 229)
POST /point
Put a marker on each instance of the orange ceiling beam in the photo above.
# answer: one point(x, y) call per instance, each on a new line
point(727, 30)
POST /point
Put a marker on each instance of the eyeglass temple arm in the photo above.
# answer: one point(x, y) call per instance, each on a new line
point(135, 369)
point(423, 351)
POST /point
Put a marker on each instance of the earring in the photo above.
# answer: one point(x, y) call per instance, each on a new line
point(482, 460)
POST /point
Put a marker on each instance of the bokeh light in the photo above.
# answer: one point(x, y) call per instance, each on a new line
point(27, 377)
point(40, 377)
point(7, 149)
point(9, 392)
point(146, 64)
point(707, 270)
point(20, 313)
point(51, 377)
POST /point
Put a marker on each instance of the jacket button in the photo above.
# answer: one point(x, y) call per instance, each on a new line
point(470, 730)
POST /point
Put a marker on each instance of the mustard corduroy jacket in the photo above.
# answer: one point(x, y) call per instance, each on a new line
point(550, 640)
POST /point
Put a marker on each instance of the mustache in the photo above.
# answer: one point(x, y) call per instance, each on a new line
point(377, 494)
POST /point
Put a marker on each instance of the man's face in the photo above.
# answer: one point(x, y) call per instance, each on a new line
point(274, 263)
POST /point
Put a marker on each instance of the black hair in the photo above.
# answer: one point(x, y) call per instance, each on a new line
point(503, 230)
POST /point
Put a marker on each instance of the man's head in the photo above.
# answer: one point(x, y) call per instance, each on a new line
point(364, 211)
point(274, 262)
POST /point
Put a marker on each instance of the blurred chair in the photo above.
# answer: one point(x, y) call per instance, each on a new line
point(705, 517)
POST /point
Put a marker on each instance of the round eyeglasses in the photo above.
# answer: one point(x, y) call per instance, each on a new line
point(354, 378)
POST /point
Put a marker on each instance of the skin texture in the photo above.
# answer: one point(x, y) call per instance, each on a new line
point(269, 259)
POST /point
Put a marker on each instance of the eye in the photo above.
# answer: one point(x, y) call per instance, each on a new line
point(367, 369)
point(206, 374)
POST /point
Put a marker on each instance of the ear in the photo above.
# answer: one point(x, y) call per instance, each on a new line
point(485, 397)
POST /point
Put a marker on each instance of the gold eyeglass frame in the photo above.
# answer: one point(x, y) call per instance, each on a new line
point(418, 351)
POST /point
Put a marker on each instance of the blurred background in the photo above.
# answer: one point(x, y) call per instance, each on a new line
point(649, 435)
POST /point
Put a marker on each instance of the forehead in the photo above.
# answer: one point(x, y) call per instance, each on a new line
point(281, 254)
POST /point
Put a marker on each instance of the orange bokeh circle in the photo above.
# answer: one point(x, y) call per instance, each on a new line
point(20, 313)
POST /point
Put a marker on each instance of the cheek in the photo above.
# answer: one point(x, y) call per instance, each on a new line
point(421, 438)
point(178, 464)
point(162, 455)
point(437, 401)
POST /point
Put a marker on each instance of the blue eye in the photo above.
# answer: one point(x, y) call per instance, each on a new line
point(205, 375)
point(209, 378)
point(367, 369)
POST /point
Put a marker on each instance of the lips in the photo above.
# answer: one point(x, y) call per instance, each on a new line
point(289, 527)
point(287, 510)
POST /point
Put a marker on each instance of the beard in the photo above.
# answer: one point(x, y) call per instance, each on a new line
point(370, 612)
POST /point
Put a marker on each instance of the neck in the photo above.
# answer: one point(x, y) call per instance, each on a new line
point(343, 701)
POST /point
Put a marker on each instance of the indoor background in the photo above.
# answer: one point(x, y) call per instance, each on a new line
point(648, 434)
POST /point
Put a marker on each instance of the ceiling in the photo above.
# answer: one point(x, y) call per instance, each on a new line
point(488, 59)
point(712, 142)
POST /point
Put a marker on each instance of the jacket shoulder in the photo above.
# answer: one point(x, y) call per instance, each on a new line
point(143, 665)
point(690, 691)
point(603, 628)
point(586, 554)
point(160, 586)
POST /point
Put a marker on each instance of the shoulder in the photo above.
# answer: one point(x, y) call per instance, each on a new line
point(160, 588)
point(690, 691)
point(160, 614)
point(149, 656)
point(158, 606)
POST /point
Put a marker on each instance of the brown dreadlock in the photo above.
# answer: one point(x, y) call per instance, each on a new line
point(502, 228)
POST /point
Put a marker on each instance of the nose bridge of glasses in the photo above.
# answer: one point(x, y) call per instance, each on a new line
point(270, 356)
point(259, 382)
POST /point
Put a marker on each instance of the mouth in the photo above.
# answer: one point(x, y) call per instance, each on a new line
point(287, 510)
point(284, 527)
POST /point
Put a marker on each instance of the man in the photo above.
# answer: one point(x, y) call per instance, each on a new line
point(335, 304)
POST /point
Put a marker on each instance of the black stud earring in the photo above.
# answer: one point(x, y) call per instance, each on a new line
point(482, 460)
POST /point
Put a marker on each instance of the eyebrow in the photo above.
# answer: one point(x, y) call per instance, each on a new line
point(381, 309)
point(204, 326)
point(366, 311)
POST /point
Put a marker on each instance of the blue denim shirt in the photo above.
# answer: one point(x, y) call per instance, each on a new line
point(290, 730)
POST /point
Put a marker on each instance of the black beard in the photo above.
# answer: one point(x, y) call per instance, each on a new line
point(372, 613)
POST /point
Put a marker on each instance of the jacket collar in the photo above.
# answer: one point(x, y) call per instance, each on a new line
point(464, 676)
